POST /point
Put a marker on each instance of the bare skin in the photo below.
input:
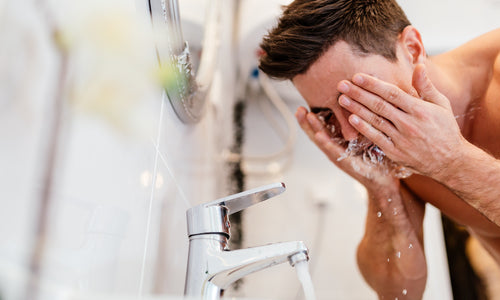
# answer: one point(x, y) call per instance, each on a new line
point(408, 108)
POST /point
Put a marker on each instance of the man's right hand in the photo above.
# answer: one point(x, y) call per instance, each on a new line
point(372, 177)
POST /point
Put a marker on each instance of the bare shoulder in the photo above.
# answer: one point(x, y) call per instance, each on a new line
point(496, 68)
point(475, 63)
point(482, 51)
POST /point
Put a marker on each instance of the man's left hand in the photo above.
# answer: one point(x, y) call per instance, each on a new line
point(419, 132)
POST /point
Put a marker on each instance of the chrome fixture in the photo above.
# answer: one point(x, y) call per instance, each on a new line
point(211, 266)
point(188, 94)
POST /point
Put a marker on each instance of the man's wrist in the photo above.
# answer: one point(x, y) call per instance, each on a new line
point(462, 159)
point(384, 192)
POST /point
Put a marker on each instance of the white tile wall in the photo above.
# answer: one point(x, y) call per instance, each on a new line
point(117, 220)
point(116, 229)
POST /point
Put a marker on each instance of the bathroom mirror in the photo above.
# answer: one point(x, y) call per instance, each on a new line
point(186, 87)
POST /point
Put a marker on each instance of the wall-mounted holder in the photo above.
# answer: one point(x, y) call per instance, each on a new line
point(187, 93)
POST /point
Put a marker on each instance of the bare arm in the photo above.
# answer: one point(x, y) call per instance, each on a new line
point(474, 176)
point(424, 136)
point(391, 253)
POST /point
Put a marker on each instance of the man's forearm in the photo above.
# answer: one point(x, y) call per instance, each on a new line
point(390, 255)
point(474, 176)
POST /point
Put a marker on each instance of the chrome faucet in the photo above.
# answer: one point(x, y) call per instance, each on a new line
point(211, 266)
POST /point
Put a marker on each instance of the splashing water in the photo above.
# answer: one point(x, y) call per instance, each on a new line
point(370, 153)
point(470, 112)
point(302, 269)
point(374, 156)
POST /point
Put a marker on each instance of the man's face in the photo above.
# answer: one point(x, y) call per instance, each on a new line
point(318, 85)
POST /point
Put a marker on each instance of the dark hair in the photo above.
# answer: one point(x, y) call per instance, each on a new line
point(308, 28)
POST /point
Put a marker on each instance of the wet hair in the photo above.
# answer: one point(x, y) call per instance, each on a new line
point(308, 28)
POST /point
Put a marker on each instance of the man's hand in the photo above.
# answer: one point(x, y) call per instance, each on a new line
point(417, 131)
point(390, 256)
point(371, 176)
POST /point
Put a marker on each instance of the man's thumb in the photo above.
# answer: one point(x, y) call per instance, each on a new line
point(425, 88)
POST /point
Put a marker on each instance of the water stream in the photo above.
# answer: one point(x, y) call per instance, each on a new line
point(304, 276)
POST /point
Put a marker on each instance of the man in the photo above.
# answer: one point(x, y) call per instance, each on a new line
point(363, 70)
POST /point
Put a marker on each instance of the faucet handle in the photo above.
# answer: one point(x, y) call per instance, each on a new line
point(212, 217)
point(240, 201)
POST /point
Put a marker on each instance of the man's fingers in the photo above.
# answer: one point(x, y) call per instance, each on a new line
point(375, 119)
point(301, 115)
point(373, 102)
point(371, 133)
point(315, 123)
point(329, 147)
point(384, 90)
point(310, 123)
point(315, 129)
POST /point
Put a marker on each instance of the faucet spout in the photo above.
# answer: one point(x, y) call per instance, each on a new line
point(234, 265)
point(214, 268)
point(211, 267)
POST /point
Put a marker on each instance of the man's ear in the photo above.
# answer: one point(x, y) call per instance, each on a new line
point(412, 46)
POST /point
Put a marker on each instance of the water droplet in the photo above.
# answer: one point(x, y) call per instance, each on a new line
point(388, 259)
point(396, 298)
point(411, 246)
point(405, 292)
point(389, 200)
point(398, 254)
point(355, 167)
point(379, 214)
point(395, 212)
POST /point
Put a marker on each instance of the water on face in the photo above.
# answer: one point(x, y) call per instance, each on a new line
point(302, 269)
point(370, 153)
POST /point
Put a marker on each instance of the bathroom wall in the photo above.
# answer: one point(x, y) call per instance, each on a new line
point(445, 24)
point(125, 169)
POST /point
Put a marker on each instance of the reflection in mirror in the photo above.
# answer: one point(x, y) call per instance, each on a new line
point(187, 92)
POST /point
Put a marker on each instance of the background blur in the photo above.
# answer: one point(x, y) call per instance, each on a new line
point(86, 129)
